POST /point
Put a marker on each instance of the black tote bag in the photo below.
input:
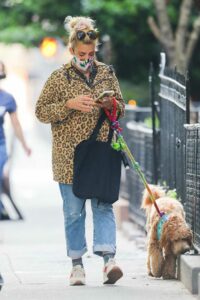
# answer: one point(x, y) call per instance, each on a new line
point(97, 168)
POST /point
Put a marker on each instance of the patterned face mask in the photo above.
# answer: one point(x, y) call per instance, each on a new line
point(83, 64)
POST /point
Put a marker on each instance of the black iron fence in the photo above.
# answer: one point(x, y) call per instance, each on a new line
point(173, 116)
point(140, 142)
point(192, 202)
point(180, 147)
point(129, 180)
point(169, 155)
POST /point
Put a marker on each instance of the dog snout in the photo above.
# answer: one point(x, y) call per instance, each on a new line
point(180, 247)
point(185, 249)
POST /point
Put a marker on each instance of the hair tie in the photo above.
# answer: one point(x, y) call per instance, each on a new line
point(81, 26)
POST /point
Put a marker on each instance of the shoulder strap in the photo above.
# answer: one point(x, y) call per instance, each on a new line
point(95, 132)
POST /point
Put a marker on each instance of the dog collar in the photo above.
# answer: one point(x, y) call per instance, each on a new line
point(160, 224)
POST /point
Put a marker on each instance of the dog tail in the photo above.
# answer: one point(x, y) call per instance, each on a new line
point(157, 192)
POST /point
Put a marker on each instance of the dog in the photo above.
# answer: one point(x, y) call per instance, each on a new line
point(168, 237)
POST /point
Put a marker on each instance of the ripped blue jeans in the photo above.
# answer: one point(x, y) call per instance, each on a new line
point(104, 236)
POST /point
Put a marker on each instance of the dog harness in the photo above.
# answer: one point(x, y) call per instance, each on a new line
point(160, 224)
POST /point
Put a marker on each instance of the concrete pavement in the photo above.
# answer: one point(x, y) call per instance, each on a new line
point(33, 260)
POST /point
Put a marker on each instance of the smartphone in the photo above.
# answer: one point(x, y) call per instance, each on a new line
point(104, 94)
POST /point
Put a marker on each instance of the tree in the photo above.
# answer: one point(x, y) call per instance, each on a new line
point(28, 21)
point(133, 45)
point(125, 21)
point(179, 43)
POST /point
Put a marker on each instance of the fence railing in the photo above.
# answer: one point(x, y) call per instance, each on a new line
point(173, 116)
point(192, 202)
point(140, 141)
point(169, 155)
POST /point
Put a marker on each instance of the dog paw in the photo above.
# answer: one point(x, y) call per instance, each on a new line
point(150, 274)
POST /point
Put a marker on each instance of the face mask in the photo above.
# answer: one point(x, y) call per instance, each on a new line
point(83, 64)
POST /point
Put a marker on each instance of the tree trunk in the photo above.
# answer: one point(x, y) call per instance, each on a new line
point(181, 35)
point(178, 46)
point(165, 28)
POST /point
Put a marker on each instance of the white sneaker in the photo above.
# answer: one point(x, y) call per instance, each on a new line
point(77, 276)
point(111, 272)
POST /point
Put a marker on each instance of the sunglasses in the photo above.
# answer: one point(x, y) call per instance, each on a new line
point(93, 35)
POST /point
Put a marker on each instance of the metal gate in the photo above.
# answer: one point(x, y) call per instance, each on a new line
point(173, 115)
point(192, 203)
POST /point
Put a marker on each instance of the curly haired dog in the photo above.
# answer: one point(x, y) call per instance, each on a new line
point(167, 238)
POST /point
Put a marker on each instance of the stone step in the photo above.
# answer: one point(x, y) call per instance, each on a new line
point(189, 272)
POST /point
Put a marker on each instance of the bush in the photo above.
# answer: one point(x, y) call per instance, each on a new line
point(148, 122)
point(139, 92)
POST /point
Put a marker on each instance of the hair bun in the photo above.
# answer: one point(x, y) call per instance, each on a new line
point(67, 22)
point(78, 23)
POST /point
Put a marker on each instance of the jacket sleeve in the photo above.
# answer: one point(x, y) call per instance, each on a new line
point(50, 107)
point(118, 96)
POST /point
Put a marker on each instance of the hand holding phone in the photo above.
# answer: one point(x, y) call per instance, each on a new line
point(104, 94)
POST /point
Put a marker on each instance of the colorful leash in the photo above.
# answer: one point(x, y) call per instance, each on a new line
point(121, 145)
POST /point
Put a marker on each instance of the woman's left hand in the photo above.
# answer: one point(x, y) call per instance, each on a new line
point(106, 102)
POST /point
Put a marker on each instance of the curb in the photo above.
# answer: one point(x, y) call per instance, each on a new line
point(199, 285)
point(189, 272)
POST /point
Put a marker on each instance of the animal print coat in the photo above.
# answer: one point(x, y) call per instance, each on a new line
point(70, 127)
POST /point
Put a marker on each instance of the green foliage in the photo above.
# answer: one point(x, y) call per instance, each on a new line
point(27, 21)
point(172, 194)
point(115, 7)
point(138, 92)
point(16, 34)
point(133, 44)
point(148, 122)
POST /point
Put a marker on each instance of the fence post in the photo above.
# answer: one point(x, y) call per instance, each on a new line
point(153, 106)
point(187, 84)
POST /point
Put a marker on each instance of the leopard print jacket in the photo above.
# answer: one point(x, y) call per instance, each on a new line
point(70, 127)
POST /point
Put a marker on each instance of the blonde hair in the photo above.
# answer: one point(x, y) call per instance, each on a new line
point(74, 24)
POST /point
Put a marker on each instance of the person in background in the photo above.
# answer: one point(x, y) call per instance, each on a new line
point(67, 101)
point(8, 105)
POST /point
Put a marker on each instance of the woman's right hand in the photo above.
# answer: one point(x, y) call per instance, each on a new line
point(83, 103)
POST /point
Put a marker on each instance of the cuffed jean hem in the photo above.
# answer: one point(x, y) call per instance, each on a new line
point(99, 249)
point(74, 254)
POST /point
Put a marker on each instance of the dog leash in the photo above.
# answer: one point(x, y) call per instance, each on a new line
point(121, 145)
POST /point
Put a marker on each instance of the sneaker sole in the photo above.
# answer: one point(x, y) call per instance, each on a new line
point(78, 282)
point(114, 275)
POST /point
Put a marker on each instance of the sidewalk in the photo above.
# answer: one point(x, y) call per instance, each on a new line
point(33, 260)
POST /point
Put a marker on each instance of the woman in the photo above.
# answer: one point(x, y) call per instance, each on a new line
point(67, 102)
point(8, 105)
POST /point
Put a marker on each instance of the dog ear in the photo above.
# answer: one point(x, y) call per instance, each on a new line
point(157, 193)
point(175, 229)
point(189, 236)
